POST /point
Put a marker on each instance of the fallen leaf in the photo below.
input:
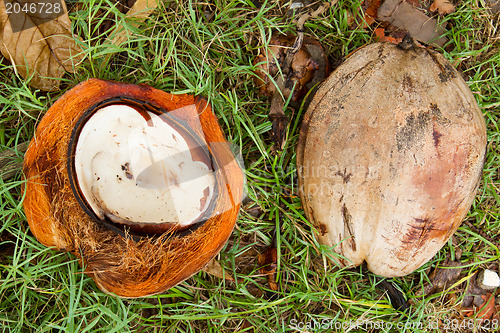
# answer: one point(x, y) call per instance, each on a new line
point(214, 268)
point(139, 12)
point(442, 7)
point(269, 263)
point(415, 3)
point(404, 16)
point(380, 33)
point(370, 8)
point(42, 52)
point(254, 290)
point(487, 311)
point(319, 56)
point(444, 276)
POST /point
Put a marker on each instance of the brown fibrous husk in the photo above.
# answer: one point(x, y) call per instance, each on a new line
point(120, 264)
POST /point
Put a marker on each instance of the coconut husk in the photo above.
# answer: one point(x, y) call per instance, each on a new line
point(119, 263)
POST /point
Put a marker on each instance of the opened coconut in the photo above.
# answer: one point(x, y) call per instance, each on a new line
point(390, 157)
point(139, 184)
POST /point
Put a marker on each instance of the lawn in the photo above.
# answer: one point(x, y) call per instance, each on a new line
point(207, 48)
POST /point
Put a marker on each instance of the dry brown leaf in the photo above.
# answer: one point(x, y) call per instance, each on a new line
point(487, 311)
point(41, 52)
point(380, 33)
point(370, 8)
point(269, 263)
point(443, 277)
point(404, 16)
point(442, 7)
point(139, 12)
point(214, 268)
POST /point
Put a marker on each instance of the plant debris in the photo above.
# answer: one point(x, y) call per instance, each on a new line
point(478, 302)
point(397, 298)
point(370, 8)
point(42, 52)
point(443, 7)
point(389, 33)
point(404, 16)
point(268, 261)
point(10, 161)
point(213, 267)
point(302, 70)
point(292, 63)
point(139, 12)
point(444, 276)
point(487, 310)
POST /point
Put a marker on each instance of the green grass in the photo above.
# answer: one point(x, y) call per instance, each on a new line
point(179, 50)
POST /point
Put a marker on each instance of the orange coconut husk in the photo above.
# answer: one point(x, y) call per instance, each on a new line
point(118, 263)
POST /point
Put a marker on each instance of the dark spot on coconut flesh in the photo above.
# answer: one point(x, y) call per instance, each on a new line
point(126, 168)
point(437, 115)
point(416, 126)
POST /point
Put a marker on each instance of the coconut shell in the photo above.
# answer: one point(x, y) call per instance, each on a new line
point(117, 262)
point(390, 157)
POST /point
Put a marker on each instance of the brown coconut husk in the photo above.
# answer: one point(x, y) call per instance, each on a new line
point(118, 263)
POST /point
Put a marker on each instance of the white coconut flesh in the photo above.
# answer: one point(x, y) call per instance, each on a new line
point(135, 168)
